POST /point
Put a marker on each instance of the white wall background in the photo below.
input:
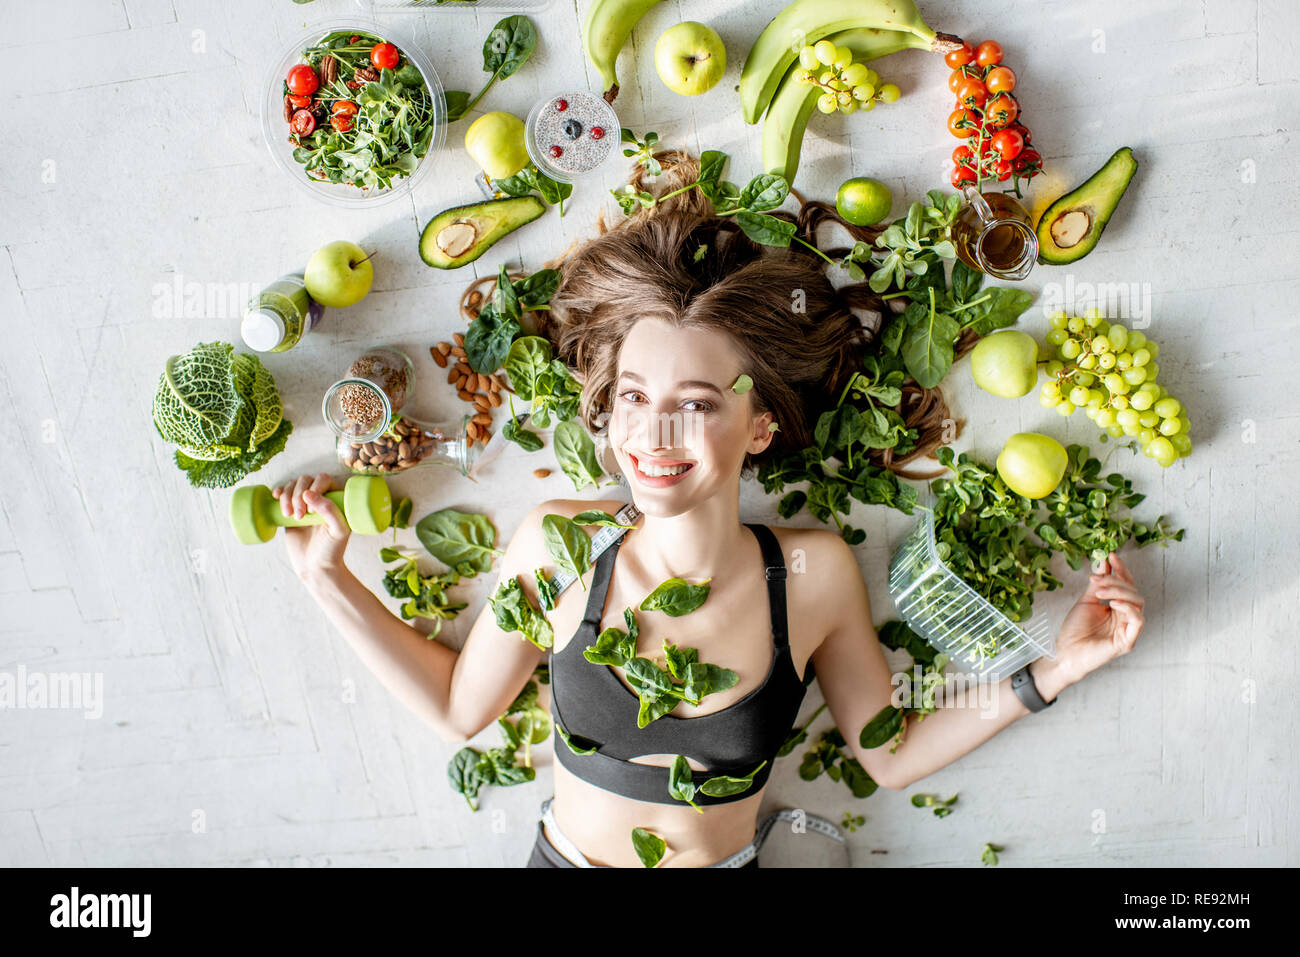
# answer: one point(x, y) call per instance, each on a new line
point(135, 156)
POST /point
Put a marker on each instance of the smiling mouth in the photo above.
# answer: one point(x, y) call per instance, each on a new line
point(661, 468)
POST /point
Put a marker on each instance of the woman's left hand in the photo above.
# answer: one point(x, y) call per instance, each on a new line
point(1103, 624)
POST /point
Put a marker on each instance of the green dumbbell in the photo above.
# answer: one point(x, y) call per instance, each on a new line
point(365, 500)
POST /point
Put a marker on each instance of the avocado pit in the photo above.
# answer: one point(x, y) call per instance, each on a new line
point(1069, 228)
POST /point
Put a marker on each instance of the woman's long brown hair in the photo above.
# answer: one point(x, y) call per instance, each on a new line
point(803, 338)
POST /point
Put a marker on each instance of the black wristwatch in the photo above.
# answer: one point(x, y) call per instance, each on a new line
point(1022, 683)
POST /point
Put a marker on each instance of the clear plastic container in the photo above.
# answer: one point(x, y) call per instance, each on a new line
point(954, 619)
point(276, 131)
point(465, 6)
point(589, 143)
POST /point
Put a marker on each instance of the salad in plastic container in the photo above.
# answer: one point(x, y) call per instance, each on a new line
point(353, 112)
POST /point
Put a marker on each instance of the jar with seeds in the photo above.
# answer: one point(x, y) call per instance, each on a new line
point(390, 369)
point(352, 407)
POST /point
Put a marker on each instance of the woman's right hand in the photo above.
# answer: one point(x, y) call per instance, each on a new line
point(313, 549)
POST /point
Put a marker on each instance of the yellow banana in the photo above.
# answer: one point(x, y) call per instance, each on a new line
point(787, 117)
point(807, 21)
point(606, 29)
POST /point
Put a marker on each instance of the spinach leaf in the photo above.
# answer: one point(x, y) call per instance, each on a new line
point(515, 613)
point(465, 542)
point(613, 646)
point(597, 517)
point(488, 340)
point(704, 679)
point(712, 163)
point(725, 786)
point(508, 46)
point(568, 545)
point(526, 439)
point(1000, 309)
point(887, 723)
point(928, 344)
point(576, 453)
point(765, 191)
point(675, 597)
point(546, 589)
point(680, 782)
point(464, 774)
point(649, 846)
point(679, 659)
point(966, 282)
point(537, 288)
point(652, 709)
point(457, 104)
point(765, 229)
point(648, 678)
point(529, 356)
point(567, 739)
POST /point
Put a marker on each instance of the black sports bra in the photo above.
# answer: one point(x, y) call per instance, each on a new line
point(596, 709)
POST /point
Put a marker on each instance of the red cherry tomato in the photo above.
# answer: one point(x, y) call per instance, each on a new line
point(1030, 158)
point(962, 123)
point(961, 175)
point(959, 57)
point(342, 122)
point(1008, 143)
point(1001, 111)
point(302, 80)
point(302, 122)
point(1002, 170)
point(383, 56)
point(962, 155)
point(1000, 79)
point(955, 79)
point(988, 53)
point(300, 102)
point(344, 108)
point(972, 92)
point(1022, 130)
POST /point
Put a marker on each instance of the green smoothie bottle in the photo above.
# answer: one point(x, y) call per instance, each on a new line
point(280, 315)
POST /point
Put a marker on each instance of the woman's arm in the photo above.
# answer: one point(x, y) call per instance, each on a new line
point(457, 693)
point(857, 683)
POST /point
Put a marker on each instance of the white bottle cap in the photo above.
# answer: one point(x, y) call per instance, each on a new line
point(262, 330)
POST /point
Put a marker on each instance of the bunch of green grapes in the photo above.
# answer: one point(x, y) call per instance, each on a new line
point(849, 86)
point(1111, 372)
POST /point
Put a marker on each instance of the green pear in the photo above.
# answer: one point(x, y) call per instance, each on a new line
point(1005, 363)
point(1031, 464)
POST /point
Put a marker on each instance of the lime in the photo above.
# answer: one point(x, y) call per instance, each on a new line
point(862, 201)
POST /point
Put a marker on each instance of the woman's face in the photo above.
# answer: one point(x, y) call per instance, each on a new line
point(674, 412)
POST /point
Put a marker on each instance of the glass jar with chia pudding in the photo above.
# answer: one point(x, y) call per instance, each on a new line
point(570, 134)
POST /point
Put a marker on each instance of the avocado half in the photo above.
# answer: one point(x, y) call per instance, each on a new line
point(1069, 228)
point(461, 234)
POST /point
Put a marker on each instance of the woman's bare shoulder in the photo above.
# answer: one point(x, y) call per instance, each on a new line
point(806, 549)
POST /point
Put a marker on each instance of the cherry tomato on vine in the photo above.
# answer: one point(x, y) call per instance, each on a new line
point(955, 79)
point(302, 80)
point(962, 123)
point(342, 122)
point(344, 108)
point(972, 92)
point(962, 155)
point(1023, 131)
point(959, 57)
point(383, 56)
point(1000, 79)
point(988, 53)
point(1002, 169)
point(1030, 158)
point(962, 175)
point(300, 102)
point(1008, 143)
point(302, 123)
point(1001, 111)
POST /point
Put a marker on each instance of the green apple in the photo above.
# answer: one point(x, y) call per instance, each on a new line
point(339, 274)
point(1032, 464)
point(1005, 363)
point(496, 141)
point(690, 58)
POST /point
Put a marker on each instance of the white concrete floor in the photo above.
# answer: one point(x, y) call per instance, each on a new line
point(238, 728)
